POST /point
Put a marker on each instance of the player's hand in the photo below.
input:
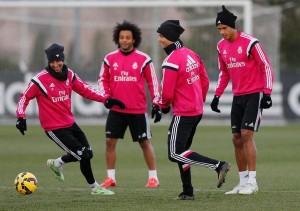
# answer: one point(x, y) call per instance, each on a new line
point(266, 101)
point(214, 104)
point(110, 102)
point(21, 125)
point(166, 110)
point(156, 112)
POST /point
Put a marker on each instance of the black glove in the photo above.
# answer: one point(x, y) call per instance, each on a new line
point(214, 104)
point(166, 110)
point(21, 125)
point(156, 111)
point(266, 101)
point(110, 102)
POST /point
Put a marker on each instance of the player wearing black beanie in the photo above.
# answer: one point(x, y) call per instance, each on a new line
point(225, 17)
point(171, 30)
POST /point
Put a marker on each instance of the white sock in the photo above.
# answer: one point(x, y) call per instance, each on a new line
point(252, 177)
point(244, 177)
point(153, 173)
point(94, 185)
point(111, 173)
point(58, 162)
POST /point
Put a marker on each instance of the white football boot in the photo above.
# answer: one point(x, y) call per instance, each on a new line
point(249, 189)
point(235, 190)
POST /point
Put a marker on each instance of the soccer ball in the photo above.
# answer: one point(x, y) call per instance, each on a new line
point(26, 183)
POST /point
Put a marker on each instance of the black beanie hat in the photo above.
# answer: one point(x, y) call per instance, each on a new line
point(171, 30)
point(55, 52)
point(225, 17)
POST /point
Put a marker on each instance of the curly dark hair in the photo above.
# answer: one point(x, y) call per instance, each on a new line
point(135, 30)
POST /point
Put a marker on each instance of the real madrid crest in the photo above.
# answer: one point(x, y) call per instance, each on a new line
point(240, 50)
point(134, 66)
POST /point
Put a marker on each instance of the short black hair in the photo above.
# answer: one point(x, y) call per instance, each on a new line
point(127, 26)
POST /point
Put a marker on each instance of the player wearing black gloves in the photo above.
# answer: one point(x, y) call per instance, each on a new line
point(21, 125)
point(243, 61)
point(52, 88)
point(156, 112)
point(124, 74)
point(165, 110)
point(110, 102)
point(214, 104)
point(266, 101)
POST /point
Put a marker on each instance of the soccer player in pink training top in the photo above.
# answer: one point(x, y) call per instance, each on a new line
point(243, 61)
point(52, 87)
point(184, 86)
point(123, 75)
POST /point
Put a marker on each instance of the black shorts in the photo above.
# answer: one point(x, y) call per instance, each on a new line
point(245, 112)
point(72, 140)
point(116, 125)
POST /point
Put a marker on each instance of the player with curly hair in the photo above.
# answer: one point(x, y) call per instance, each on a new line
point(123, 75)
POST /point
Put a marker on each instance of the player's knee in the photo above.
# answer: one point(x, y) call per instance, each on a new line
point(171, 157)
point(237, 141)
point(111, 143)
point(145, 144)
point(91, 154)
point(87, 154)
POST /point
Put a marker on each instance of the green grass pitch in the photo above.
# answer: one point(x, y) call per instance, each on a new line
point(278, 172)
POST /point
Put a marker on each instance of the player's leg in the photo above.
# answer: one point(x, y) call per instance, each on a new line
point(63, 138)
point(249, 148)
point(111, 158)
point(115, 128)
point(180, 137)
point(181, 133)
point(140, 131)
point(110, 152)
point(149, 156)
point(239, 152)
point(251, 122)
point(86, 154)
point(186, 179)
point(177, 144)
point(74, 142)
point(237, 112)
point(148, 153)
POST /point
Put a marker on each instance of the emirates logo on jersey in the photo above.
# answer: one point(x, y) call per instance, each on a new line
point(125, 77)
point(62, 93)
point(63, 96)
point(234, 63)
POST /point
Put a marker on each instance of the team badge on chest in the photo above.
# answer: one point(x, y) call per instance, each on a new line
point(134, 65)
point(240, 50)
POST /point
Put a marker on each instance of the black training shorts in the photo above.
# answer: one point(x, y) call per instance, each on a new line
point(246, 112)
point(117, 122)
